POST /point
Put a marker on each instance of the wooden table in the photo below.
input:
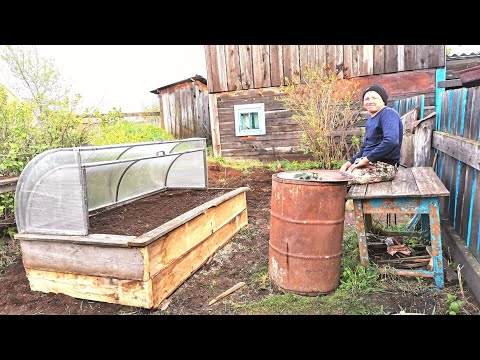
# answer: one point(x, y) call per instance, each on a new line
point(413, 191)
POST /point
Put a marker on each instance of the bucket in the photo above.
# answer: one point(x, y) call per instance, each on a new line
point(306, 230)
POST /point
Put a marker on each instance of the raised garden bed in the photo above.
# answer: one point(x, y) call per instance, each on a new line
point(136, 270)
point(124, 224)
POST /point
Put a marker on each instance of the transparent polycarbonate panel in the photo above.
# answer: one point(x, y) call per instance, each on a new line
point(100, 154)
point(188, 170)
point(144, 176)
point(49, 197)
point(101, 184)
point(147, 150)
point(190, 144)
point(59, 187)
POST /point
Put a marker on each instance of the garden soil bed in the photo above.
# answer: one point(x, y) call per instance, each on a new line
point(240, 260)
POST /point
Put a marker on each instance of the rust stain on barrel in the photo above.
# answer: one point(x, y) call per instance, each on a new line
point(306, 233)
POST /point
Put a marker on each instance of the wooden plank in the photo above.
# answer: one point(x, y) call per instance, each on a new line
point(403, 183)
point(409, 57)
point(312, 56)
point(178, 115)
point(321, 56)
point(422, 53)
point(347, 60)
point(458, 112)
point(214, 124)
point(291, 61)
point(211, 72)
point(366, 60)
point(170, 278)
point(303, 54)
point(172, 113)
point(91, 239)
point(428, 183)
point(473, 112)
point(379, 59)
point(401, 58)
point(96, 288)
point(460, 188)
point(468, 112)
point(161, 114)
point(422, 141)
point(407, 150)
point(451, 186)
point(474, 238)
point(117, 262)
point(234, 78)
point(165, 228)
point(467, 202)
point(379, 190)
point(220, 61)
point(339, 60)
point(436, 55)
point(465, 150)
point(330, 56)
point(8, 188)
point(246, 65)
point(355, 70)
point(391, 58)
point(166, 112)
point(261, 66)
point(450, 84)
point(5, 181)
point(172, 245)
point(276, 64)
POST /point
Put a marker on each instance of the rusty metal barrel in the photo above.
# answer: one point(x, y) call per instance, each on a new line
point(306, 230)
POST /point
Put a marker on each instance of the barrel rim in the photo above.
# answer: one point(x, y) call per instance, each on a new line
point(343, 178)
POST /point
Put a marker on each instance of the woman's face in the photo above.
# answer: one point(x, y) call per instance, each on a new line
point(373, 102)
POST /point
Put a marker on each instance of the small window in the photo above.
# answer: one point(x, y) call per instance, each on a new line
point(250, 119)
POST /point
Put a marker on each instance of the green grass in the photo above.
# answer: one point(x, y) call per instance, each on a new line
point(249, 165)
point(340, 302)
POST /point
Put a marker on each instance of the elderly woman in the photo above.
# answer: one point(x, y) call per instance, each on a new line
point(379, 156)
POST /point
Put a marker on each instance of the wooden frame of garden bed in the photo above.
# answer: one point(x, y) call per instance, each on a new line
point(138, 271)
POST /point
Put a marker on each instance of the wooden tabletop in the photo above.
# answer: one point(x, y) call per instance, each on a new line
point(409, 182)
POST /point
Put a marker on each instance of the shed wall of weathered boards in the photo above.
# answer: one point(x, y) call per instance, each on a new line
point(245, 74)
point(184, 110)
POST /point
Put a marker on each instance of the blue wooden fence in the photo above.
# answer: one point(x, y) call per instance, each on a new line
point(457, 143)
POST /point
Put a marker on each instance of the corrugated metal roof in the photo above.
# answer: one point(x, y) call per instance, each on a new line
point(193, 78)
point(463, 56)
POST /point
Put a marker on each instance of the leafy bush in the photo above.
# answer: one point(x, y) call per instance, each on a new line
point(325, 107)
point(125, 131)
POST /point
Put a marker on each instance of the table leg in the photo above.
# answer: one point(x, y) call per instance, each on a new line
point(362, 237)
point(436, 241)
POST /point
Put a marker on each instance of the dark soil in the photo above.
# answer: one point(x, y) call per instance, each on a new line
point(243, 256)
point(140, 216)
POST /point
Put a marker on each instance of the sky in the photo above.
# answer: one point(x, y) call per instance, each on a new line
point(122, 76)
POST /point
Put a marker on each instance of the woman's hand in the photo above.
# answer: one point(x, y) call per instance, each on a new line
point(345, 166)
point(359, 163)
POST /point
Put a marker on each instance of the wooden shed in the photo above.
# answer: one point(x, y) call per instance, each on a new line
point(249, 78)
point(184, 108)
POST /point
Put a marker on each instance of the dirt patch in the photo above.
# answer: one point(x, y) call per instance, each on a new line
point(243, 258)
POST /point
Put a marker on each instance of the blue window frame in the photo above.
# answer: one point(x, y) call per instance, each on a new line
point(250, 119)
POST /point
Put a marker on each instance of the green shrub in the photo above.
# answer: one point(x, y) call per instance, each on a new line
point(125, 131)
